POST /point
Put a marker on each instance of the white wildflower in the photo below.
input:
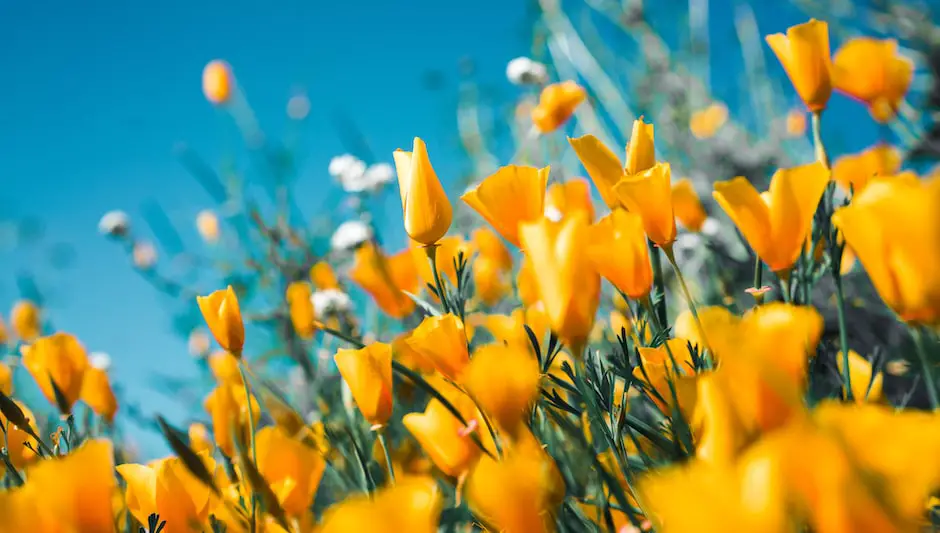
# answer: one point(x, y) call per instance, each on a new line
point(378, 175)
point(114, 224)
point(99, 360)
point(350, 171)
point(524, 71)
point(350, 234)
point(330, 301)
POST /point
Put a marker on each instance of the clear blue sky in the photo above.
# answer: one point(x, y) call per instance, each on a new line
point(96, 94)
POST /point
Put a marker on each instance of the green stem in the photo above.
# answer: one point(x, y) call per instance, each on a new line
point(432, 257)
point(388, 456)
point(658, 281)
point(843, 338)
point(758, 274)
point(251, 436)
point(929, 380)
point(821, 155)
point(688, 295)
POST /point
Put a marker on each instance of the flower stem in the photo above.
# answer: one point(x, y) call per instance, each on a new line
point(688, 295)
point(388, 456)
point(929, 380)
point(251, 435)
point(432, 257)
point(821, 155)
point(843, 338)
point(758, 274)
point(658, 281)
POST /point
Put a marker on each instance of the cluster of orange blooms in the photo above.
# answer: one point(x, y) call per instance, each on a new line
point(726, 392)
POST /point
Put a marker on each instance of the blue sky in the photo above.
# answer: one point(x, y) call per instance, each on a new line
point(97, 94)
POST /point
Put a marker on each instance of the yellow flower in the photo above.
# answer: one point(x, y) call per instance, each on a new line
point(804, 54)
point(368, 373)
point(526, 282)
point(510, 329)
point(687, 205)
point(425, 207)
point(286, 462)
point(796, 123)
point(853, 171)
point(323, 277)
point(4, 335)
point(442, 340)
point(567, 285)
point(207, 224)
point(16, 440)
point(706, 122)
point(74, 492)
point(866, 385)
point(443, 437)
point(413, 504)
point(568, 197)
point(58, 359)
point(167, 487)
point(218, 82)
point(300, 306)
point(518, 492)
point(224, 318)
point(224, 368)
point(385, 279)
point(759, 385)
point(408, 356)
point(649, 194)
point(26, 321)
point(704, 498)
point(616, 246)
point(489, 246)
point(504, 381)
point(490, 280)
point(98, 394)
point(228, 406)
point(199, 439)
point(605, 169)
point(512, 196)
point(557, 103)
point(776, 223)
point(888, 227)
point(892, 452)
point(660, 372)
point(871, 71)
point(6, 379)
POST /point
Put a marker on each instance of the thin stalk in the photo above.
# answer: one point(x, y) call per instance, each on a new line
point(843, 337)
point(821, 155)
point(929, 380)
point(758, 274)
point(688, 294)
point(658, 281)
point(251, 436)
point(388, 456)
point(432, 257)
